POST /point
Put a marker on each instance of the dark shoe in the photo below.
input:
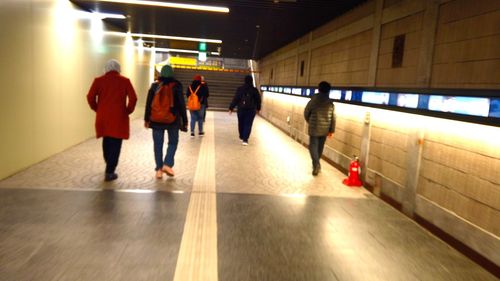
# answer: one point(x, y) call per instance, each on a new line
point(110, 176)
point(192, 135)
point(201, 134)
point(316, 170)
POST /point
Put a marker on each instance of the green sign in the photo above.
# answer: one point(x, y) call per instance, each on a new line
point(202, 47)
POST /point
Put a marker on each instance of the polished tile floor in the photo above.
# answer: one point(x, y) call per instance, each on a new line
point(231, 213)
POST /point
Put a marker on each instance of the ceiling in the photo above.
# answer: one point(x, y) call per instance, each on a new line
point(251, 30)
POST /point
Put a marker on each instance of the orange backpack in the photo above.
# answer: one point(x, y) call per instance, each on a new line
point(163, 102)
point(193, 102)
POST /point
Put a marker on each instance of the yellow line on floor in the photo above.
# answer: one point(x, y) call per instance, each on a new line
point(197, 259)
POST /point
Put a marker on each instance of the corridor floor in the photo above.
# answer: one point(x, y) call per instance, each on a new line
point(232, 213)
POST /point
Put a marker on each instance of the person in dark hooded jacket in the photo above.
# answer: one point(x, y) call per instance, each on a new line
point(180, 122)
point(248, 101)
point(320, 116)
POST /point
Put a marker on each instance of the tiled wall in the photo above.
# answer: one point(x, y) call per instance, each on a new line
point(446, 172)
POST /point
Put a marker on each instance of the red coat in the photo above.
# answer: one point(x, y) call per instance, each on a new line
point(108, 98)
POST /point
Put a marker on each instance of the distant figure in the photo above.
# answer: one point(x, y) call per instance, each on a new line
point(320, 115)
point(203, 82)
point(197, 96)
point(165, 110)
point(108, 98)
point(248, 101)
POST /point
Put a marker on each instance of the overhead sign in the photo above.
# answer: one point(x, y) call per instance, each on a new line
point(183, 61)
point(202, 47)
point(202, 56)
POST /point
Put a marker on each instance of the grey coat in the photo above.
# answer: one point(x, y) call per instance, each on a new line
point(320, 115)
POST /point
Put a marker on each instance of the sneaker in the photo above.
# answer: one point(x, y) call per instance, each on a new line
point(168, 170)
point(201, 134)
point(244, 143)
point(110, 176)
point(192, 135)
point(159, 174)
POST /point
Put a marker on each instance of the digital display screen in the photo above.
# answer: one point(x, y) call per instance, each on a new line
point(480, 106)
point(407, 100)
point(375, 97)
point(335, 94)
point(460, 105)
point(297, 91)
point(348, 95)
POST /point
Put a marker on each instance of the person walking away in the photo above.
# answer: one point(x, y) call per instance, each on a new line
point(197, 95)
point(108, 97)
point(165, 111)
point(203, 82)
point(320, 116)
point(247, 99)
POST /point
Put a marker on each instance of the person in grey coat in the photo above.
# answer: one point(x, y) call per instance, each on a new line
point(320, 116)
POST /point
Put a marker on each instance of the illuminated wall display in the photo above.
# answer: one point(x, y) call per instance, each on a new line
point(477, 106)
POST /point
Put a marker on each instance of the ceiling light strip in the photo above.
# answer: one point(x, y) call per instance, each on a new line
point(176, 38)
point(108, 16)
point(168, 50)
point(172, 5)
point(123, 34)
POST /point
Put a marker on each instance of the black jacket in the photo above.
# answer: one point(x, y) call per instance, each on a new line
point(202, 92)
point(179, 109)
point(243, 90)
point(320, 115)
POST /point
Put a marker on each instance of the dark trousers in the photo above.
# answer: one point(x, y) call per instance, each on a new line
point(245, 121)
point(316, 145)
point(111, 148)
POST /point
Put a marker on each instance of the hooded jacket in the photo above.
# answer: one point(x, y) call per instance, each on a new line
point(247, 87)
point(320, 115)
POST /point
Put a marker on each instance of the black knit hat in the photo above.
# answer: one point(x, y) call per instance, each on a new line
point(324, 87)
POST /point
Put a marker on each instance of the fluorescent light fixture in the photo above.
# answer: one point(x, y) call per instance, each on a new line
point(168, 50)
point(108, 16)
point(172, 5)
point(217, 41)
point(215, 53)
point(176, 38)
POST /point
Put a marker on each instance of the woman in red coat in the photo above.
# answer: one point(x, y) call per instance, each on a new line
point(108, 98)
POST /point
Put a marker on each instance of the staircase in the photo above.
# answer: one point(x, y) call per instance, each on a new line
point(222, 85)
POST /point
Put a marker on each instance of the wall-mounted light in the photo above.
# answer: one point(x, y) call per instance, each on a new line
point(172, 5)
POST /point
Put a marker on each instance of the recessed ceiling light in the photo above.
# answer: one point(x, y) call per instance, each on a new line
point(172, 5)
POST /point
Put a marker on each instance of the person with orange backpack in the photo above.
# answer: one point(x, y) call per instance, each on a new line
point(165, 111)
point(197, 95)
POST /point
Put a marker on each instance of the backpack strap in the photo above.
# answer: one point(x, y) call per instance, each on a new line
point(195, 91)
point(158, 87)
